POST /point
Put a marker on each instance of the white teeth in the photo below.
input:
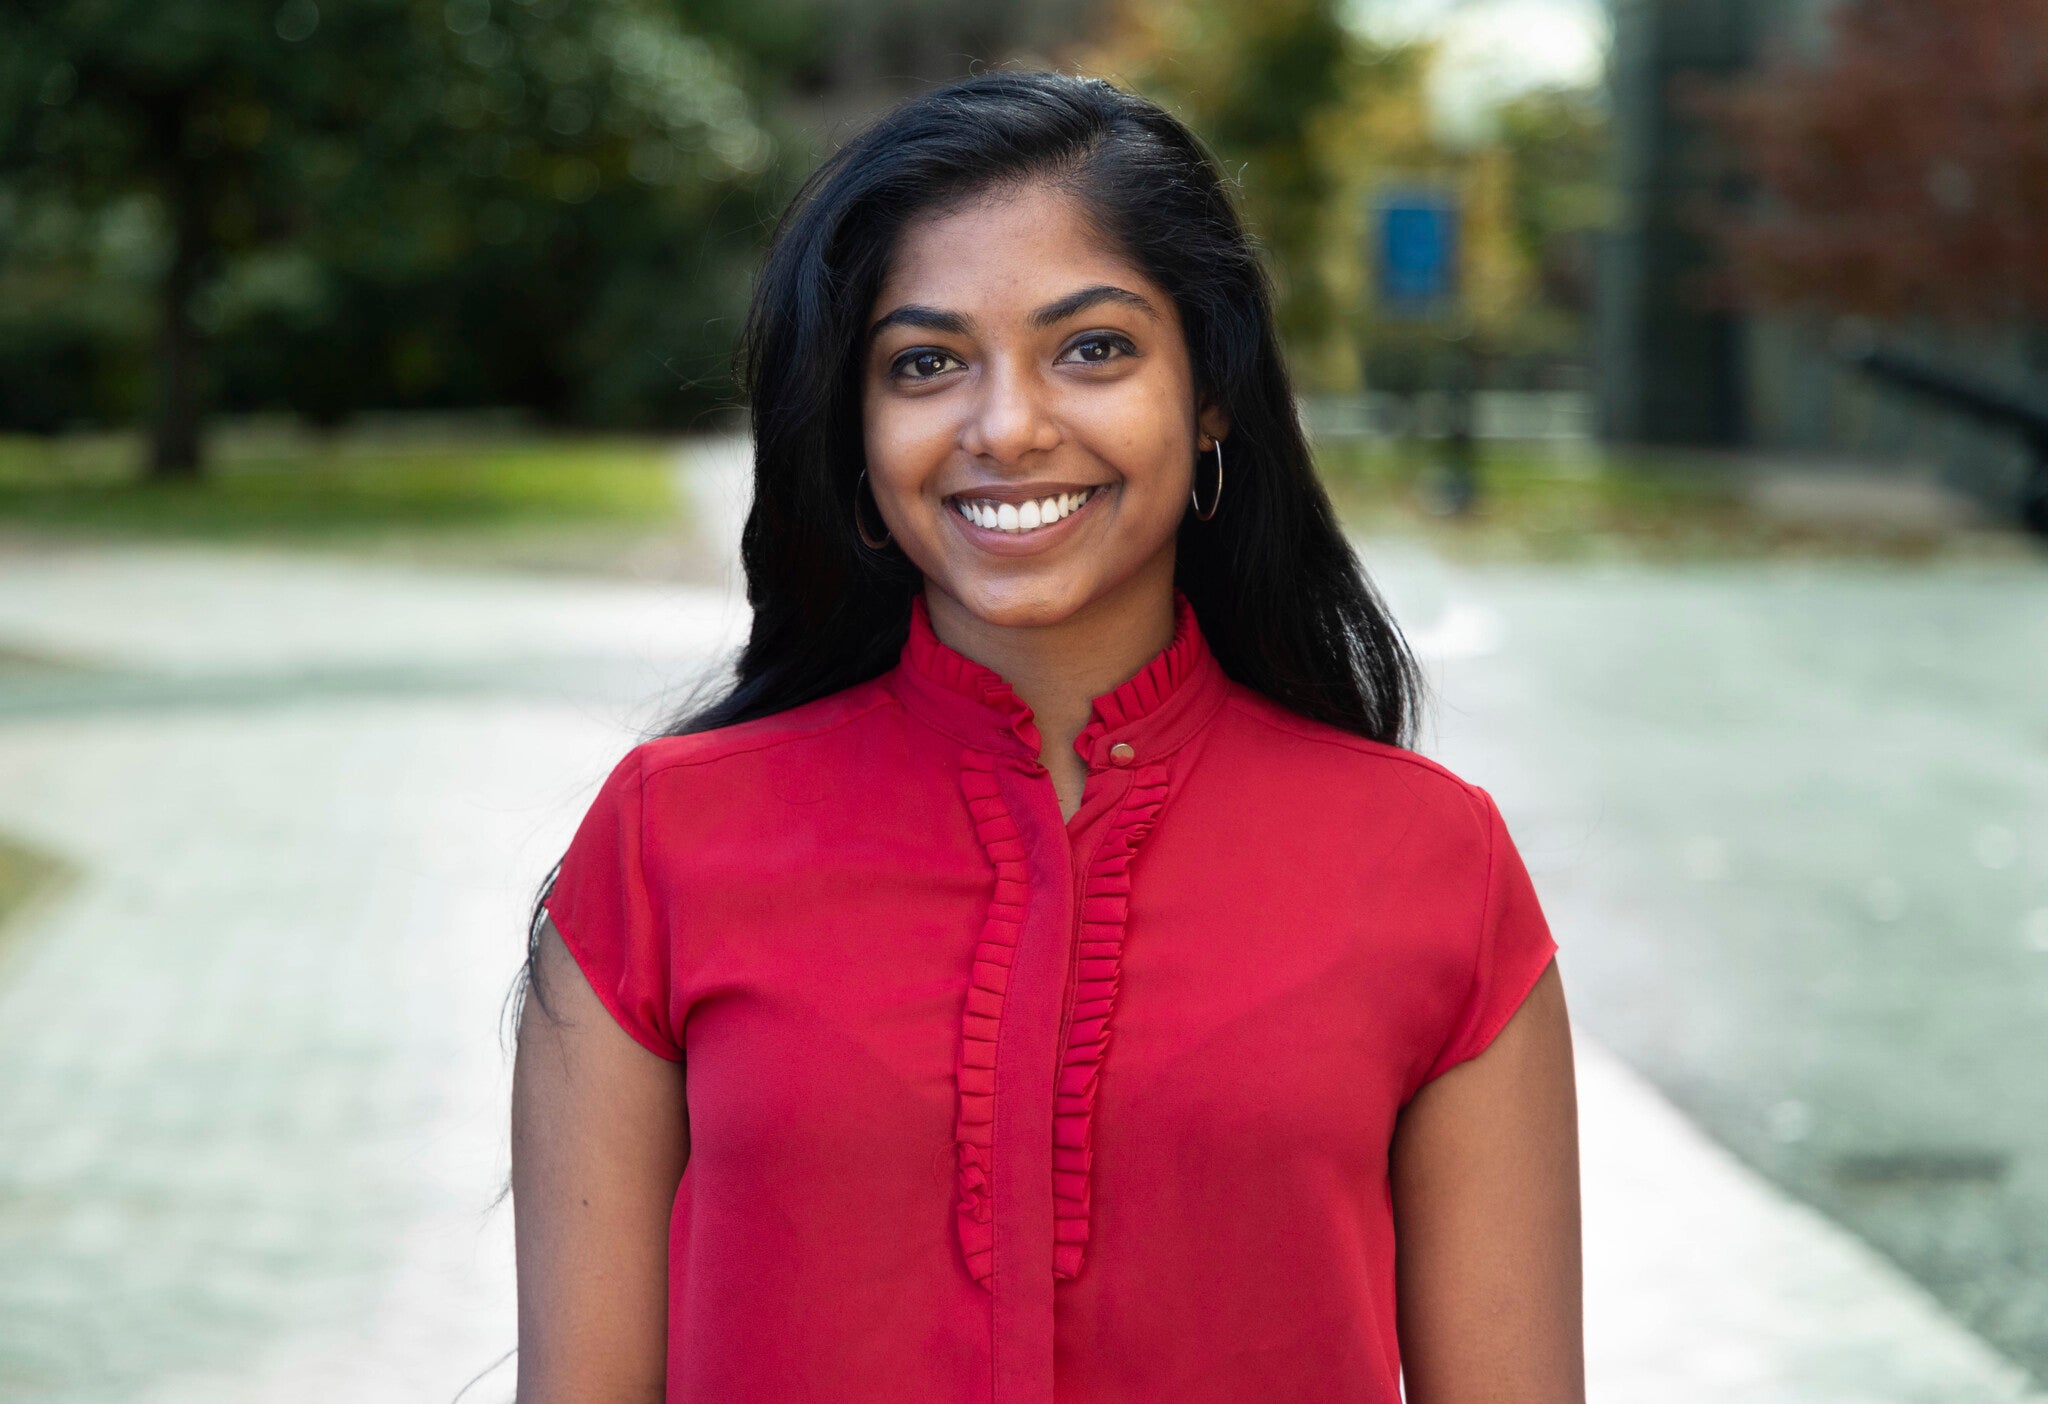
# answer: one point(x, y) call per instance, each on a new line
point(1010, 517)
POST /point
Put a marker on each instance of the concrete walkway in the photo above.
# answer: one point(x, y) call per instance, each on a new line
point(252, 1097)
point(1790, 821)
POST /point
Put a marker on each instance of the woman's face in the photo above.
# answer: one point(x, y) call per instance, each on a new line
point(1029, 410)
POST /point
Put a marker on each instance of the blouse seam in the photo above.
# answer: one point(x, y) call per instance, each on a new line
point(606, 996)
point(1479, 952)
point(766, 744)
point(1453, 1048)
point(1357, 745)
point(997, 1235)
point(668, 954)
point(1509, 1008)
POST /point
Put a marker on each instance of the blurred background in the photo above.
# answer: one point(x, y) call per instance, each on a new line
point(370, 477)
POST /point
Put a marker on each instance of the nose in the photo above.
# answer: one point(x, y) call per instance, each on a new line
point(1010, 416)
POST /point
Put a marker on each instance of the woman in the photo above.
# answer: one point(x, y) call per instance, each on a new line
point(1043, 975)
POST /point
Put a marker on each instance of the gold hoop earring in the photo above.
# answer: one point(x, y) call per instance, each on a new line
point(860, 527)
point(1195, 501)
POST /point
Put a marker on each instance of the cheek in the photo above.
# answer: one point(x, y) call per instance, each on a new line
point(903, 447)
point(1147, 437)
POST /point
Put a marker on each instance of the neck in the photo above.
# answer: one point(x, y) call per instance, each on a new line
point(1058, 670)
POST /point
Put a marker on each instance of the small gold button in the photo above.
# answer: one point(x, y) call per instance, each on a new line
point(1122, 754)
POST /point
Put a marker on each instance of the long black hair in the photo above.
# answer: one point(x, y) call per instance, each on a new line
point(1281, 598)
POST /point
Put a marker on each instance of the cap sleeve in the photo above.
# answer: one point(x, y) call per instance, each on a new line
point(1514, 947)
point(601, 906)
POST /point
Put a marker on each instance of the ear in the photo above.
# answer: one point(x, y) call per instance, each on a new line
point(1214, 422)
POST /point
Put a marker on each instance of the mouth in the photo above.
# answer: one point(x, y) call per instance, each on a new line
point(1012, 515)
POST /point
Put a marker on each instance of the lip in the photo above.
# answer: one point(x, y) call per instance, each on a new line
point(1005, 543)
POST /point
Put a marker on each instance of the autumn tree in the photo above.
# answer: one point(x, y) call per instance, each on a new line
point(1901, 171)
point(1900, 175)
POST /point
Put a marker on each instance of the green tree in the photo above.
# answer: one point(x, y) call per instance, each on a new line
point(1556, 142)
point(371, 173)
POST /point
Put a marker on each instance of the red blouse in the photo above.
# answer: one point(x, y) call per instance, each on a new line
point(990, 1106)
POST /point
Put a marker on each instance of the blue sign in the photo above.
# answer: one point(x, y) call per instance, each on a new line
point(1417, 261)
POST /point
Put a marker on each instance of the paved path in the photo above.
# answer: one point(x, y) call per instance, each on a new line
point(254, 1105)
point(1792, 823)
point(251, 1089)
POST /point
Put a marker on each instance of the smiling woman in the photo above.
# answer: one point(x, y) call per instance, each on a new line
point(1045, 974)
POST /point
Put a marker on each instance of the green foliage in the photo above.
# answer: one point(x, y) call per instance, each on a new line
point(549, 203)
point(1556, 142)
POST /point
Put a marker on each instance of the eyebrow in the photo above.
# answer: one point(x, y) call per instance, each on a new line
point(913, 314)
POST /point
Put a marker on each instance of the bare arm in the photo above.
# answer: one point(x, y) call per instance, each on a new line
point(599, 1140)
point(1486, 1211)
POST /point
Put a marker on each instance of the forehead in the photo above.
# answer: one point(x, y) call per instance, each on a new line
point(1005, 253)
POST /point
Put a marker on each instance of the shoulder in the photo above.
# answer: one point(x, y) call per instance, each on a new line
point(1347, 773)
point(789, 736)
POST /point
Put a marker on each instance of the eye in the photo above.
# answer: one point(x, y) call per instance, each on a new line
point(930, 360)
point(1096, 348)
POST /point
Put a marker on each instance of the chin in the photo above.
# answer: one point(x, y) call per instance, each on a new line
point(1022, 603)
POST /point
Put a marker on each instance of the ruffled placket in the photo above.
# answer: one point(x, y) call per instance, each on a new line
point(1038, 1019)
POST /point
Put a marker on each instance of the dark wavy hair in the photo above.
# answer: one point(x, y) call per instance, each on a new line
point(1281, 598)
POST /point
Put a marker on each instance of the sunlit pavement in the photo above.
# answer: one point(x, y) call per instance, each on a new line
point(1789, 829)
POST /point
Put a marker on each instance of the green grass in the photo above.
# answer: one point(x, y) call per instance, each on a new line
point(1538, 502)
point(292, 487)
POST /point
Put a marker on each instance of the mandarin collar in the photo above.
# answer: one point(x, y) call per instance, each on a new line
point(1156, 711)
